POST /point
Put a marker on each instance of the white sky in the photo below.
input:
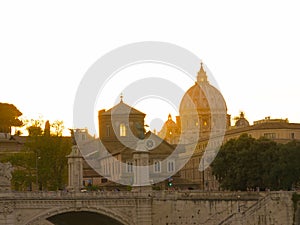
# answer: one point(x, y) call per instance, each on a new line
point(252, 49)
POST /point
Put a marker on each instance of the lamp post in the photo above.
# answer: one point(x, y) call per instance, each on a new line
point(203, 179)
point(238, 203)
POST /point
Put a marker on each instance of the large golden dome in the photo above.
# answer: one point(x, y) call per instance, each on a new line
point(202, 96)
point(202, 107)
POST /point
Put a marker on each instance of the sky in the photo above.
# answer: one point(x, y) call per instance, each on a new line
point(252, 49)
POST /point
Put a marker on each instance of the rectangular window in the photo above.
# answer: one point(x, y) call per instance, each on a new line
point(103, 180)
point(157, 167)
point(129, 167)
point(122, 130)
point(107, 131)
point(270, 135)
point(293, 135)
point(171, 166)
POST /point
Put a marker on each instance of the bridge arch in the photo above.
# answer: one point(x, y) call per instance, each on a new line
point(119, 217)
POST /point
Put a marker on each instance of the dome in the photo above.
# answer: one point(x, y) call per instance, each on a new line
point(242, 121)
point(170, 131)
point(170, 123)
point(202, 109)
point(202, 96)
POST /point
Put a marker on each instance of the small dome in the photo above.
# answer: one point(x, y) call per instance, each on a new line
point(169, 125)
point(242, 121)
point(170, 131)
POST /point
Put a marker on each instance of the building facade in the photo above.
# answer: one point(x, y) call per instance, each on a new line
point(122, 140)
point(201, 108)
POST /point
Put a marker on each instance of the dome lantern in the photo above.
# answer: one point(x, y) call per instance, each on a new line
point(202, 77)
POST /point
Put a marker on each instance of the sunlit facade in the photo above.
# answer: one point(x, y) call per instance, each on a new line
point(198, 106)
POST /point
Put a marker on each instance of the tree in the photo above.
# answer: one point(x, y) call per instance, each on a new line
point(34, 127)
point(289, 166)
point(245, 163)
point(9, 117)
point(24, 173)
point(44, 158)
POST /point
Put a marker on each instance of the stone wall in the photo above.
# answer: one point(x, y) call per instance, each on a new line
point(274, 208)
point(154, 207)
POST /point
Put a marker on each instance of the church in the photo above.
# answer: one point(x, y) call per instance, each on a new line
point(124, 145)
point(192, 139)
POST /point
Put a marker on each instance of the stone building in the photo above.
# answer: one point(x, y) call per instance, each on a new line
point(201, 126)
point(11, 144)
point(121, 136)
point(201, 108)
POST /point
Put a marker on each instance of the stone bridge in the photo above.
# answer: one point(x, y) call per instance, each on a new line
point(145, 207)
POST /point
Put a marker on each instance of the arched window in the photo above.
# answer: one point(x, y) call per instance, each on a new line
point(122, 130)
point(157, 166)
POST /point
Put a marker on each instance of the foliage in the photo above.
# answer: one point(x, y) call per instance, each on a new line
point(295, 199)
point(9, 117)
point(43, 161)
point(23, 175)
point(92, 188)
point(34, 126)
point(248, 163)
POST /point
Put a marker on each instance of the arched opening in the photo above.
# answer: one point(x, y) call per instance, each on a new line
point(122, 130)
point(82, 218)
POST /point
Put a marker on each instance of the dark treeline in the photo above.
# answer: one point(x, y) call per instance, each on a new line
point(247, 163)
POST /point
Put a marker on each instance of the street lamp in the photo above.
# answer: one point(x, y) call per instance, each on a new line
point(238, 203)
point(203, 174)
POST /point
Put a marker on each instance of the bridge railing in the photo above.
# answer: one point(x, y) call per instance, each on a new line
point(201, 195)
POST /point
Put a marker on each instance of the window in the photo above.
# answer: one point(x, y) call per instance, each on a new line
point(270, 135)
point(157, 166)
point(103, 180)
point(129, 166)
point(122, 130)
point(293, 135)
point(107, 131)
point(171, 166)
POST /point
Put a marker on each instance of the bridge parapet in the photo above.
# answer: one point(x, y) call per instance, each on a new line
point(150, 207)
point(200, 195)
point(214, 195)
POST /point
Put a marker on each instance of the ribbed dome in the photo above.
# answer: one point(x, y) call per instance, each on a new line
point(202, 96)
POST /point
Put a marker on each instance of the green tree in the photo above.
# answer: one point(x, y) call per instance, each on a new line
point(249, 163)
point(24, 173)
point(9, 117)
point(246, 163)
point(288, 172)
point(44, 158)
